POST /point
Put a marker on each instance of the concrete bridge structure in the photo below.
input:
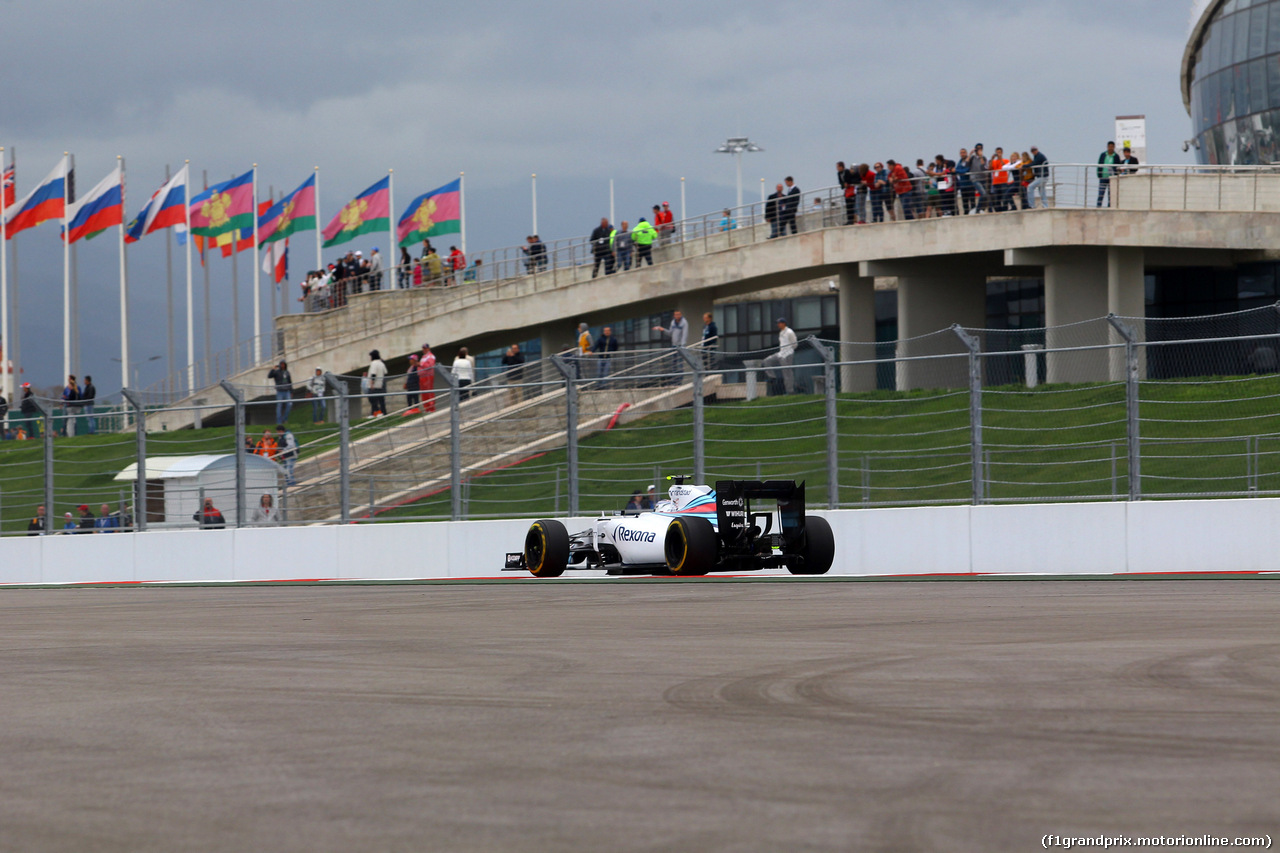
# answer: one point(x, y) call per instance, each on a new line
point(1092, 261)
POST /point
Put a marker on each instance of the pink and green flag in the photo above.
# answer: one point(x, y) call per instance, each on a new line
point(223, 208)
point(368, 212)
point(295, 212)
point(436, 212)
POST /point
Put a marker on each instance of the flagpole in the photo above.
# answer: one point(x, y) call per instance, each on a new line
point(319, 236)
point(271, 285)
point(462, 208)
point(257, 294)
point(75, 278)
point(191, 319)
point(235, 301)
point(391, 223)
point(683, 213)
point(66, 275)
point(535, 203)
point(124, 289)
point(612, 221)
point(16, 358)
point(6, 363)
point(208, 313)
point(168, 280)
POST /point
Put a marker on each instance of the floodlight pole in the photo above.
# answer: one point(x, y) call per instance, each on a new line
point(737, 145)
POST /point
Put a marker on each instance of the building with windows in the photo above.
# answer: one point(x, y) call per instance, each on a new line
point(1231, 82)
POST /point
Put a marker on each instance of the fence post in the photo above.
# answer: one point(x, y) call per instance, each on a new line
point(140, 484)
point(571, 428)
point(455, 440)
point(975, 411)
point(238, 397)
point(833, 434)
point(47, 423)
point(694, 359)
point(344, 446)
point(1131, 405)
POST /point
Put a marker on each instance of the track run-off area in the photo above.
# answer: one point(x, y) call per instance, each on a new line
point(639, 714)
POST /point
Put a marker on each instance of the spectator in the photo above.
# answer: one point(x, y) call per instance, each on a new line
point(1129, 161)
point(37, 525)
point(710, 333)
point(943, 192)
point(427, 378)
point(980, 174)
point(472, 273)
point(1040, 170)
point(513, 367)
point(964, 182)
point(773, 212)
point(435, 266)
point(288, 454)
point(412, 396)
point(69, 524)
point(267, 446)
point(209, 516)
point(464, 370)
point(536, 252)
point(1107, 162)
point(70, 397)
point(901, 182)
point(264, 514)
point(106, 522)
point(728, 223)
point(650, 497)
point(678, 331)
point(665, 220)
point(881, 193)
point(782, 360)
point(417, 273)
point(621, 243)
point(125, 518)
point(377, 385)
point(600, 251)
point(316, 385)
point(585, 343)
point(404, 272)
point(87, 520)
point(634, 504)
point(1000, 184)
point(284, 390)
point(848, 181)
point(30, 411)
point(643, 236)
point(4, 413)
point(790, 206)
point(88, 394)
point(457, 263)
point(604, 349)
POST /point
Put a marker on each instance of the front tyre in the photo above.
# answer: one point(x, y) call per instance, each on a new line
point(546, 548)
point(819, 550)
point(690, 547)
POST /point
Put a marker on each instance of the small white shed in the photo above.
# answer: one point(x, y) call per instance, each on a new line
point(176, 484)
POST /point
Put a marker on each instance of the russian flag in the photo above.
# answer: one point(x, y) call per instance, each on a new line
point(275, 260)
point(133, 231)
point(47, 201)
point(169, 205)
point(99, 210)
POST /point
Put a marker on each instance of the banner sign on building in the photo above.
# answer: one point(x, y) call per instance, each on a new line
point(1131, 131)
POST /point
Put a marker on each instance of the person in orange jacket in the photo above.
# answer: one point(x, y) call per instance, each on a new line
point(267, 445)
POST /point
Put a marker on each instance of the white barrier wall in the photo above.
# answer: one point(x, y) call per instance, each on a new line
point(1058, 539)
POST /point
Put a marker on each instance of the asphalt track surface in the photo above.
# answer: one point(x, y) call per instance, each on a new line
point(619, 716)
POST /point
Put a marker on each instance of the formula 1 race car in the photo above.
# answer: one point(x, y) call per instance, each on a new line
point(696, 531)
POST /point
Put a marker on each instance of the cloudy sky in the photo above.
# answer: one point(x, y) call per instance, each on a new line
point(578, 92)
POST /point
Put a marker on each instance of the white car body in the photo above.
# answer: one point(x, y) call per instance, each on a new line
point(639, 538)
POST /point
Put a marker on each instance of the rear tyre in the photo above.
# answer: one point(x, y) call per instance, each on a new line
point(691, 547)
point(819, 550)
point(546, 549)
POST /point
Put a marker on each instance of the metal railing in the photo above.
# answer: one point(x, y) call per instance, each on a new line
point(1109, 409)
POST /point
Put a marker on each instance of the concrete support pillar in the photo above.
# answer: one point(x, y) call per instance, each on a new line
point(857, 330)
point(1126, 297)
point(933, 296)
point(1080, 284)
point(553, 338)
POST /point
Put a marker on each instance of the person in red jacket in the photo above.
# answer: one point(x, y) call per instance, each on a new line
point(664, 221)
point(901, 182)
point(458, 262)
point(209, 516)
point(427, 378)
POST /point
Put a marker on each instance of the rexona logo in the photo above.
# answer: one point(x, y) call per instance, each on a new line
point(625, 534)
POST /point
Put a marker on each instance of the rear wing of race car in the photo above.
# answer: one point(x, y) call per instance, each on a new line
point(738, 528)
